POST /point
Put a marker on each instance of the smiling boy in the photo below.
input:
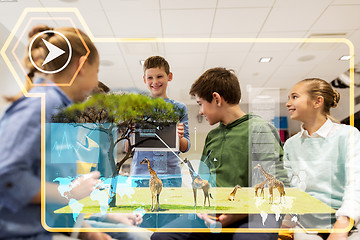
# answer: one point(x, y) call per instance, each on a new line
point(156, 76)
point(241, 138)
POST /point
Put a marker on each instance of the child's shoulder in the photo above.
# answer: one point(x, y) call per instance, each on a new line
point(256, 119)
point(24, 111)
point(259, 124)
point(29, 104)
point(293, 139)
point(345, 130)
point(215, 133)
point(345, 126)
point(176, 103)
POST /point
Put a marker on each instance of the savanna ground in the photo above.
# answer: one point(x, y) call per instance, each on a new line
point(181, 200)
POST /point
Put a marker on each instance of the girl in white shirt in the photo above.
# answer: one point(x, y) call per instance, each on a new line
point(321, 159)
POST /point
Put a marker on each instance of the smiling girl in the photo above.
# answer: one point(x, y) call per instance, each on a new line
point(321, 154)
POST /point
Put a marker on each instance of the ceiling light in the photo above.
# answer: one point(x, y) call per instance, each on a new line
point(265, 59)
point(345, 58)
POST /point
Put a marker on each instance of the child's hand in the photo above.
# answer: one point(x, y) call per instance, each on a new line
point(227, 219)
point(209, 221)
point(183, 141)
point(180, 129)
point(287, 222)
point(126, 218)
point(84, 185)
point(138, 219)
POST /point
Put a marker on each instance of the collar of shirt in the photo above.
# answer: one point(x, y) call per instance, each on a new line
point(236, 122)
point(322, 132)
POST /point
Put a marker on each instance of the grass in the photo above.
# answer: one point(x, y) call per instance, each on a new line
point(181, 200)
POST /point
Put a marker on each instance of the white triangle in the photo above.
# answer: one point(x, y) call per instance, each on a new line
point(54, 52)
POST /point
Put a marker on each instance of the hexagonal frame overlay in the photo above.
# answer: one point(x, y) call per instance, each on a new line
point(21, 65)
point(164, 40)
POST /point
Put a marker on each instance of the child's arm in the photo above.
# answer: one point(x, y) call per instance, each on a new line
point(341, 223)
point(81, 187)
point(350, 207)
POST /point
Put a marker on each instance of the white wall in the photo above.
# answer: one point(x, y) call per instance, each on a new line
point(8, 85)
point(343, 109)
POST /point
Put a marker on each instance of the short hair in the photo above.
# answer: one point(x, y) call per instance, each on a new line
point(220, 80)
point(156, 62)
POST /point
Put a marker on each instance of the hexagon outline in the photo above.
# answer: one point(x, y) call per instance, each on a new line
point(76, 11)
point(15, 29)
point(50, 84)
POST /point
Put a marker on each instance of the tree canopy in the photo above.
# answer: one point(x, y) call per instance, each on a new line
point(120, 109)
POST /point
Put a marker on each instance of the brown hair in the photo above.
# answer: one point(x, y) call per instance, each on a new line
point(320, 88)
point(156, 62)
point(39, 50)
point(220, 80)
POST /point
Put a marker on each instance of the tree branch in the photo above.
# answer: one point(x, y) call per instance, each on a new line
point(84, 114)
point(128, 155)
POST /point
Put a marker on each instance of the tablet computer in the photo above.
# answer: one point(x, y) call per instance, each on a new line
point(156, 138)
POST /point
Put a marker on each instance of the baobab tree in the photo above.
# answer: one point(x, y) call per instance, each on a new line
point(106, 112)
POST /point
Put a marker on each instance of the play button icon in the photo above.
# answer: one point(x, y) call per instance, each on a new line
point(54, 51)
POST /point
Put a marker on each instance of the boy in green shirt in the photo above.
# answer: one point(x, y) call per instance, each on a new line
point(231, 151)
point(241, 140)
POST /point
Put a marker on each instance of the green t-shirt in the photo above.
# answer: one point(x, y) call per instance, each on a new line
point(231, 152)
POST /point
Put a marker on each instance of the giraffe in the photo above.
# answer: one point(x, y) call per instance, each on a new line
point(273, 183)
point(261, 187)
point(279, 185)
point(155, 185)
point(198, 183)
point(231, 197)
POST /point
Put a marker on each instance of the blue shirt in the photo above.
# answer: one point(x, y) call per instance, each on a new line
point(166, 164)
point(20, 162)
